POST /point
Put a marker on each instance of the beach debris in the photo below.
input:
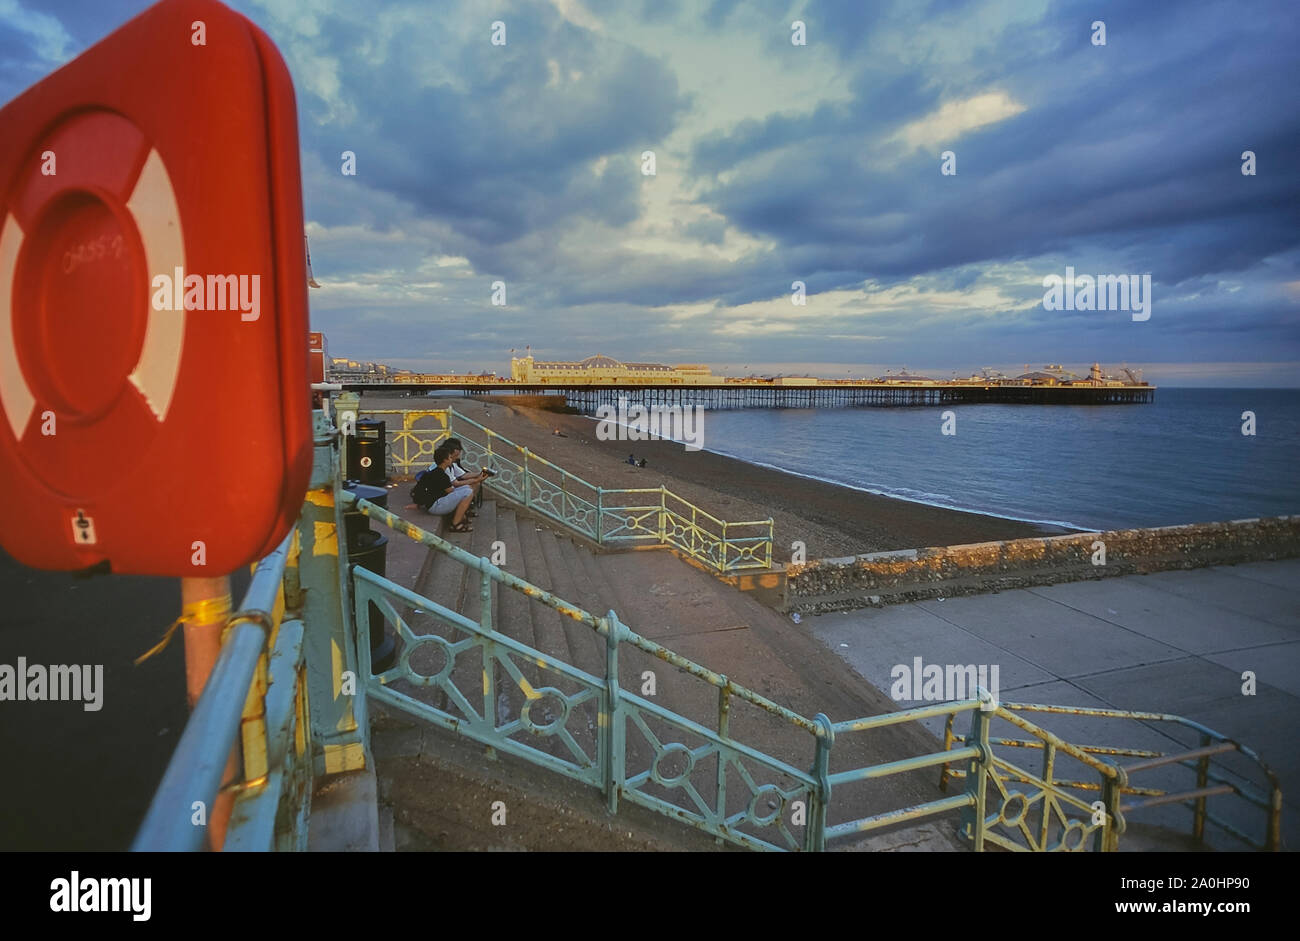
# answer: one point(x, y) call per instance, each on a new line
point(843, 645)
point(794, 616)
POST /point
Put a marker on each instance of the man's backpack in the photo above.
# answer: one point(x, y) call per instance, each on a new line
point(422, 494)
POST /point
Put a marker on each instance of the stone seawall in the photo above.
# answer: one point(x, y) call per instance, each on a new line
point(946, 571)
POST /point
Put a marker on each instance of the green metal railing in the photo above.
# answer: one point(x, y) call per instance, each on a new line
point(651, 517)
point(1211, 779)
point(702, 775)
point(548, 729)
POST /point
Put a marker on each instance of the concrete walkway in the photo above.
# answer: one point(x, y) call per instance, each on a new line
point(1174, 642)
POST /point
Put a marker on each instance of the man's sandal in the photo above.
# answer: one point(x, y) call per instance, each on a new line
point(462, 527)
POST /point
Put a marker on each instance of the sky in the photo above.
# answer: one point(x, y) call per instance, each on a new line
point(776, 162)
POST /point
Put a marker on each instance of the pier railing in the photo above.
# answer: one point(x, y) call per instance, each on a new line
point(1214, 766)
point(653, 517)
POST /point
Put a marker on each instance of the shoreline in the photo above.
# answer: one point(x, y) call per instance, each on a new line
point(1066, 527)
point(833, 520)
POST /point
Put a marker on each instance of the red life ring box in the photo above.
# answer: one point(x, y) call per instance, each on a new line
point(153, 302)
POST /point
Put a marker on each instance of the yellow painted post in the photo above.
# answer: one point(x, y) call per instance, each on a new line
point(205, 606)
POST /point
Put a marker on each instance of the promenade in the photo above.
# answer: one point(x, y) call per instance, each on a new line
point(1174, 642)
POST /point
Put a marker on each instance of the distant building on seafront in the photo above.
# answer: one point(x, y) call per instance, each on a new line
point(601, 368)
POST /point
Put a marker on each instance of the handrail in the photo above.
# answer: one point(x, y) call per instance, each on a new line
point(199, 761)
point(576, 613)
point(694, 531)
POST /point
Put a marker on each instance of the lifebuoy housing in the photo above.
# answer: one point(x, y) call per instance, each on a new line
point(134, 429)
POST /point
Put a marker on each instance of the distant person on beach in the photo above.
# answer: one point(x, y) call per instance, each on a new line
point(436, 491)
point(631, 460)
point(641, 463)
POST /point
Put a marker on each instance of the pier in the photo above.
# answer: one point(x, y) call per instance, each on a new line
point(587, 397)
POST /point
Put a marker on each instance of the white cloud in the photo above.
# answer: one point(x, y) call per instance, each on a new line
point(954, 119)
point(51, 41)
point(577, 14)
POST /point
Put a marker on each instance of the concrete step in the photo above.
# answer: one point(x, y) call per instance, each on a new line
point(586, 647)
point(516, 616)
point(638, 583)
point(547, 629)
point(467, 674)
point(441, 581)
point(584, 723)
point(345, 814)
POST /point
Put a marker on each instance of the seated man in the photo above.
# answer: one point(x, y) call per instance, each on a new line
point(437, 492)
point(462, 478)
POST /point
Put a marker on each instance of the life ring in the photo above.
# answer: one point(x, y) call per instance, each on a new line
point(79, 337)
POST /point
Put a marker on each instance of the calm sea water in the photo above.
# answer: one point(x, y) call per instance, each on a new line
point(1182, 459)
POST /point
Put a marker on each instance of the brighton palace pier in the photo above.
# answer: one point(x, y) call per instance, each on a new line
point(600, 380)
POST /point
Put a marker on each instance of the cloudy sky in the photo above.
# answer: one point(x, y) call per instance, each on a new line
point(777, 162)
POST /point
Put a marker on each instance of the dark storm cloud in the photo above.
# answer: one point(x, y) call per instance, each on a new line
point(524, 159)
point(1144, 155)
point(509, 153)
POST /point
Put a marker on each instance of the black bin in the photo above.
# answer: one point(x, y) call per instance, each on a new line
point(366, 452)
point(368, 548)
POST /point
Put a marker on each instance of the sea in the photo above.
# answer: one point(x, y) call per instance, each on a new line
point(1182, 459)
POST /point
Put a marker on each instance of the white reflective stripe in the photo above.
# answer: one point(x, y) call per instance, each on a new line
point(158, 220)
point(16, 396)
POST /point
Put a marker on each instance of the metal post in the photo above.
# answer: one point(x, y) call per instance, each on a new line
point(205, 605)
point(488, 651)
point(1202, 778)
point(1049, 770)
point(613, 724)
point(976, 777)
point(528, 482)
point(338, 718)
point(1273, 841)
point(724, 731)
point(947, 746)
point(600, 516)
point(815, 836)
point(1108, 838)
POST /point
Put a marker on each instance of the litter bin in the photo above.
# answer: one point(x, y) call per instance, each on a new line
point(366, 452)
point(368, 548)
